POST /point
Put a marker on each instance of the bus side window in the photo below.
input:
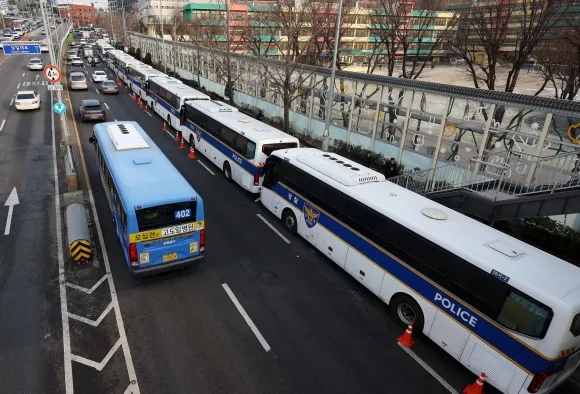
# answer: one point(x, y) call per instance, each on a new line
point(271, 172)
point(182, 115)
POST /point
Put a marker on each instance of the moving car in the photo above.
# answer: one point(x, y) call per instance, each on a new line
point(26, 100)
point(43, 48)
point(99, 76)
point(35, 64)
point(77, 62)
point(109, 87)
point(91, 110)
point(78, 81)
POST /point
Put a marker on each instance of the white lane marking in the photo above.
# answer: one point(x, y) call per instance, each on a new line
point(11, 101)
point(429, 369)
point(246, 318)
point(257, 199)
point(274, 229)
point(23, 74)
point(97, 90)
point(149, 113)
point(2, 125)
point(99, 366)
point(115, 120)
point(169, 132)
point(85, 290)
point(18, 86)
point(68, 376)
point(106, 106)
point(115, 300)
point(206, 167)
point(90, 322)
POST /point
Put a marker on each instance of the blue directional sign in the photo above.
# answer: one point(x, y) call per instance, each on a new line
point(21, 48)
point(59, 108)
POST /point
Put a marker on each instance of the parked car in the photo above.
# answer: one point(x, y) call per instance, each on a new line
point(99, 76)
point(109, 87)
point(35, 64)
point(91, 110)
point(78, 81)
point(26, 100)
point(43, 48)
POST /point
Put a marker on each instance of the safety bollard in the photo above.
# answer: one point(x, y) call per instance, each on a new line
point(78, 236)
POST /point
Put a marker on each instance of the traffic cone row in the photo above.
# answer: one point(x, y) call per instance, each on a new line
point(477, 387)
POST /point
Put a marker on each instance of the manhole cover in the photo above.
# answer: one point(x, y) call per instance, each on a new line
point(268, 277)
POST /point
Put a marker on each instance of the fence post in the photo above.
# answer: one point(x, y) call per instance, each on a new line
point(431, 180)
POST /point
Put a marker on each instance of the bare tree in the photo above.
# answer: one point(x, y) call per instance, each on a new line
point(559, 63)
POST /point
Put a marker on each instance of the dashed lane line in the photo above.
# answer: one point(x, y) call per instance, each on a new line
point(274, 229)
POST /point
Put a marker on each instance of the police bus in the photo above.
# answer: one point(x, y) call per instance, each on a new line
point(235, 142)
point(121, 64)
point(158, 216)
point(102, 48)
point(111, 56)
point(138, 75)
point(167, 95)
point(494, 303)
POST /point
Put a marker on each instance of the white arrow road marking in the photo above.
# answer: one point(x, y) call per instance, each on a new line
point(98, 366)
point(85, 290)
point(93, 323)
point(10, 202)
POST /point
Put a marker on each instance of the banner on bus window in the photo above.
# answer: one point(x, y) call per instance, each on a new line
point(166, 232)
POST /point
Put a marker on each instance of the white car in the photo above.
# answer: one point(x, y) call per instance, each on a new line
point(99, 76)
point(35, 64)
point(15, 35)
point(43, 48)
point(78, 62)
point(27, 99)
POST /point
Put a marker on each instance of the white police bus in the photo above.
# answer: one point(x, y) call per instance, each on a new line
point(121, 64)
point(236, 143)
point(494, 303)
point(138, 75)
point(111, 56)
point(167, 95)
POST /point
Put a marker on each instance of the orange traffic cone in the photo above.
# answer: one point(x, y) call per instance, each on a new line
point(126, 88)
point(407, 338)
point(165, 126)
point(177, 136)
point(182, 146)
point(140, 104)
point(191, 152)
point(477, 387)
point(146, 109)
point(134, 97)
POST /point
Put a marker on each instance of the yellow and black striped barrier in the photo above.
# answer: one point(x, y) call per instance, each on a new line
point(81, 250)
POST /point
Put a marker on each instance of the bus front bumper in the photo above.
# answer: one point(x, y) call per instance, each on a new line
point(176, 265)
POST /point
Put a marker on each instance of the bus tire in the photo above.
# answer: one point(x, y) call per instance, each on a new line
point(227, 171)
point(406, 310)
point(191, 140)
point(289, 220)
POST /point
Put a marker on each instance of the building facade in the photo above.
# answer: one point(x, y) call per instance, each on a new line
point(81, 15)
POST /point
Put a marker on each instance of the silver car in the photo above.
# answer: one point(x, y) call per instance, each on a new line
point(78, 81)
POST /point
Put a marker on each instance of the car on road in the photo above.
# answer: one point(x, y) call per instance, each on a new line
point(15, 35)
point(44, 32)
point(91, 110)
point(99, 76)
point(43, 48)
point(78, 81)
point(109, 87)
point(53, 27)
point(26, 100)
point(35, 64)
point(77, 62)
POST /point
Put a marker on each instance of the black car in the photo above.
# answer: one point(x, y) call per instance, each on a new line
point(91, 110)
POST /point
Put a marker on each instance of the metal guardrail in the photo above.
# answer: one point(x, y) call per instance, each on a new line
point(499, 176)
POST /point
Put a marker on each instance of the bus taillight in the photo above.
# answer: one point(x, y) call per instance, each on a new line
point(256, 179)
point(133, 255)
point(537, 382)
point(202, 239)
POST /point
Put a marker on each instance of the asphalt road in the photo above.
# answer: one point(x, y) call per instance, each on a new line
point(326, 332)
point(30, 329)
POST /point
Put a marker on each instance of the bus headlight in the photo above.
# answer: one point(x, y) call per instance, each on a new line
point(144, 258)
point(193, 247)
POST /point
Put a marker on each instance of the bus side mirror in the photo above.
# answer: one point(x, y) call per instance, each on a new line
point(92, 140)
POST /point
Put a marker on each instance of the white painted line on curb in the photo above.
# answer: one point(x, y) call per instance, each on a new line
point(249, 321)
point(99, 366)
point(206, 167)
point(429, 369)
point(274, 229)
point(85, 290)
point(90, 322)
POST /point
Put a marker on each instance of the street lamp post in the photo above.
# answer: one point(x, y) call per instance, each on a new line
point(329, 94)
point(162, 38)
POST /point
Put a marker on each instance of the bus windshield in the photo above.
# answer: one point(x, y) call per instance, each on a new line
point(166, 215)
point(267, 149)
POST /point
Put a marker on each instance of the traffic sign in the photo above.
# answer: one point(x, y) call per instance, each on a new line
point(54, 87)
point(21, 48)
point(52, 73)
point(59, 108)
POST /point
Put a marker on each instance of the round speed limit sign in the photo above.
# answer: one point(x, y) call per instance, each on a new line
point(52, 74)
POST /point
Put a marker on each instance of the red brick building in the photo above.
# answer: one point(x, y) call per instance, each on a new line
point(82, 15)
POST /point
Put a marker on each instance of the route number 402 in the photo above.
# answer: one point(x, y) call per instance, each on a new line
point(182, 214)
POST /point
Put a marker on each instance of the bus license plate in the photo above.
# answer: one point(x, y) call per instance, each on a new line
point(169, 257)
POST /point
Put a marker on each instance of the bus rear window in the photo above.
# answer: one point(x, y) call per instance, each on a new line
point(269, 148)
point(166, 215)
point(575, 328)
point(525, 315)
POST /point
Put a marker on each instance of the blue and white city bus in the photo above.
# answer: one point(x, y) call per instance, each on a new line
point(158, 216)
point(494, 303)
point(235, 142)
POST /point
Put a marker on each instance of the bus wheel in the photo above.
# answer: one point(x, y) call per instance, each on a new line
point(290, 222)
point(191, 141)
point(406, 310)
point(228, 171)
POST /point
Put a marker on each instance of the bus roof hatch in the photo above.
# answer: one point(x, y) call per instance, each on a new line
point(125, 137)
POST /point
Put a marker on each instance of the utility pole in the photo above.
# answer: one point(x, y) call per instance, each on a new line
point(330, 93)
point(163, 38)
